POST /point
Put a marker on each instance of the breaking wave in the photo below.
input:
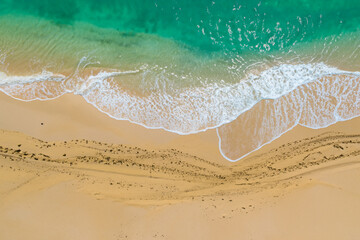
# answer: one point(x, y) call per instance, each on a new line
point(248, 114)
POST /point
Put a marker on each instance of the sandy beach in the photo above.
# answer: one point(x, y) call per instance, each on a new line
point(68, 171)
point(179, 120)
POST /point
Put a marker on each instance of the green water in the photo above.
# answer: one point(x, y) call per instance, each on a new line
point(176, 44)
point(170, 32)
point(258, 21)
point(182, 65)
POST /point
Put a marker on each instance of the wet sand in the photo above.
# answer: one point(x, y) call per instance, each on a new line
point(68, 171)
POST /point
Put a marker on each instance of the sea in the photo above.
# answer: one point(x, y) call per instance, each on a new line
point(251, 69)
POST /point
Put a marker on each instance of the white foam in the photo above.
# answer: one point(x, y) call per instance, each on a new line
point(6, 80)
point(185, 110)
point(315, 105)
point(192, 110)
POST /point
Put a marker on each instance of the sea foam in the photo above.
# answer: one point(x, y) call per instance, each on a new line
point(318, 104)
point(301, 93)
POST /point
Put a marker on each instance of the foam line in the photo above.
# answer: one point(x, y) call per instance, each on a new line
point(185, 111)
point(337, 101)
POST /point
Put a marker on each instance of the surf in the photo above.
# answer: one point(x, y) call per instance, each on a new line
point(252, 69)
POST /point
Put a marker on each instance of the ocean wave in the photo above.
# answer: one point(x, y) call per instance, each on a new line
point(301, 93)
point(6, 80)
point(318, 104)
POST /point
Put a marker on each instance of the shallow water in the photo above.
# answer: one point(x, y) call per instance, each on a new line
point(187, 66)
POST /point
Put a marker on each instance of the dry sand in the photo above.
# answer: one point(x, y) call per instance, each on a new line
point(68, 171)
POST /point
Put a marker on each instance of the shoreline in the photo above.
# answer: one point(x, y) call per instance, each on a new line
point(99, 126)
point(179, 120)
point(78, 119)
point(320, 71)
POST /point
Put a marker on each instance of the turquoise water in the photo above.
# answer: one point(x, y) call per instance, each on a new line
point(186, 66)
point(209, 26)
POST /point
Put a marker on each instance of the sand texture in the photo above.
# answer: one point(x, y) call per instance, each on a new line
point(70, 172)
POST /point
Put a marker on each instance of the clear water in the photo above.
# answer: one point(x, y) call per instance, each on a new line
point(187, 66)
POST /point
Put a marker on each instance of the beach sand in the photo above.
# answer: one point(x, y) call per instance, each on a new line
point(68, 171)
